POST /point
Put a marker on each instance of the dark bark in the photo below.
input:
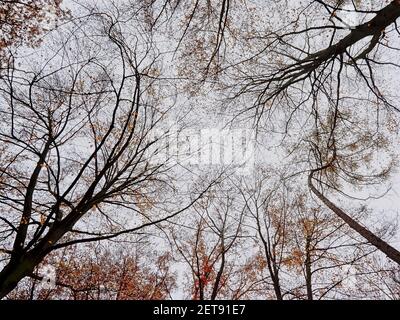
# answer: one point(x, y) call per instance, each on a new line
point(219, 277)
point(375, 26)
point(16, 270)
point(275, 84)
point(276, 284)
point(374, 240)
point(308, 269)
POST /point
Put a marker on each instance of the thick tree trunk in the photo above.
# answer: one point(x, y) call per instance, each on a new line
point(23, 265)
point(15, 271)
point(381, 245)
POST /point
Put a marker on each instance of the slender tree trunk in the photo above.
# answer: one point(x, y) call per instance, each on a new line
point(277, 286)
point(308, 270)
point(273, 270)
point(219, 276)
point(381, 245)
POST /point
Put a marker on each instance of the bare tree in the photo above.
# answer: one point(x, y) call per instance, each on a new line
point(82, 160)
point(307, 252)
point(78, 162)
point(292, 78)
point(272, 227)
point(211, 244)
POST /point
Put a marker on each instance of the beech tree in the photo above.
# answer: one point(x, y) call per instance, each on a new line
point(315, 78)
point(88, 91)
point(325, 65)
point(78, 159)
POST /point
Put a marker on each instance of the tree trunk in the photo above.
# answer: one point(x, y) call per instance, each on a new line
point(15, 271)
point(308, 270)
point(23, 265)
point(277, 287)
point(381, 245)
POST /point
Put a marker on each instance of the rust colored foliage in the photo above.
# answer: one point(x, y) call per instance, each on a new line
point(205, 278)
point(93, 276)
point(22, 22)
